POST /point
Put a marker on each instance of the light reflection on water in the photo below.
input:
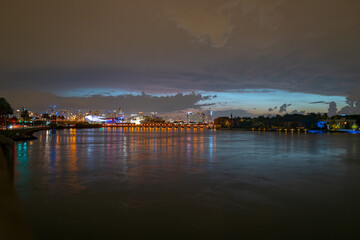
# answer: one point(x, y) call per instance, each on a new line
point(76, 182)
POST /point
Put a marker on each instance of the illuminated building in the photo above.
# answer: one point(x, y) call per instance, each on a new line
point(189, 117)
point(137, 120)
point(94, 118)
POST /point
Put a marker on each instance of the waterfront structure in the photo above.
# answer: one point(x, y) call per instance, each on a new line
point(342, 124)
point(137, 119)
point(94, 119)
point(199, 117)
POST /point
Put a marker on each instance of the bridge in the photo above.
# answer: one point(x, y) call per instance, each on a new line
point(159, 125)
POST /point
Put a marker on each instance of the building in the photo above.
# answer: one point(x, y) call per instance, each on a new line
point(342, 124)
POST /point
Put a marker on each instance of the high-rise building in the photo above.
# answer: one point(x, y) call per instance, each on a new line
point(153, 114)
point(198, 117)
point(52, 110)
point(189, 117)
point(208, 116)
point(203, 117)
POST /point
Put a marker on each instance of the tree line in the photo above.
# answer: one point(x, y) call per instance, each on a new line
point(292, 121)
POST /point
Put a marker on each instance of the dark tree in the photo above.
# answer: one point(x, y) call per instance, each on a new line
point(223, 122)
point(5, 110)
point(46, 116)
point(25, 114)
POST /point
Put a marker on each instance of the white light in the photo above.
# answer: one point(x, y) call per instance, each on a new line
point(93, 118)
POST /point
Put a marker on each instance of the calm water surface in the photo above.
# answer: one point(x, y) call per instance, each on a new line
point(178, 184)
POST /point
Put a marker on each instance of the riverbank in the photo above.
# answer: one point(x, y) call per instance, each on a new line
point(23, 134)
point(26, 134)
point(12, 225)
point(292, 130)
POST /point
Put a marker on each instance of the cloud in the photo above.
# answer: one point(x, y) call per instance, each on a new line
point(34, 101)
point(211, 21)
point(317, 102)
point(178, 46)
point(353, 101)
point(272, 109)
point(332, 109)
point(251, 90)
point(206, 21)
point(346, 110)
point(283, 107)
point(298, 112)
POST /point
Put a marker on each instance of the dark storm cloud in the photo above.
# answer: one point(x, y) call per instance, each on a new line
point(171, 46)
point(34, 101)
point(251, 90)
point(53, 79)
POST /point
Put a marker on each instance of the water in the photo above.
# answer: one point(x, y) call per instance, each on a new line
point(178, 184)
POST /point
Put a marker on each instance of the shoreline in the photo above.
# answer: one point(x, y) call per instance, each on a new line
point(26, 134)
point(312, 131)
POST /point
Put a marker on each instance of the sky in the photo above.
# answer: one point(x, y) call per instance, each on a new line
point(249, 57)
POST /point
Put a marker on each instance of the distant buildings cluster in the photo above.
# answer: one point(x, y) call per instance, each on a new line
point(25, 116)
point(199, 117)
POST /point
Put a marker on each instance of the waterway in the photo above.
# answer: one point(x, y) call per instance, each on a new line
point(131, 183)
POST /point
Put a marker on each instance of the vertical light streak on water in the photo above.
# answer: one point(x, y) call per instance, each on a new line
point(211, 148)
point(22, 172)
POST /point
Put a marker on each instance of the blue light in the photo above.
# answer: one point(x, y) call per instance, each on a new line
point(316, 131)
point(321, 124)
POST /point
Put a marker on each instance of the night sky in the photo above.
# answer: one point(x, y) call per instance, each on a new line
point(248, 57)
